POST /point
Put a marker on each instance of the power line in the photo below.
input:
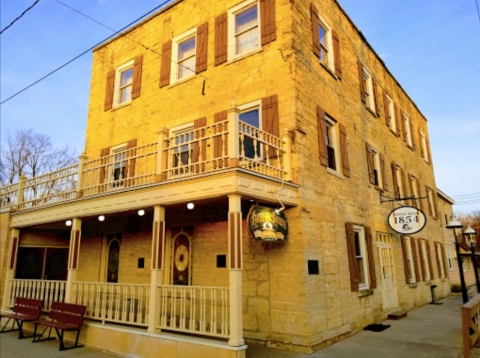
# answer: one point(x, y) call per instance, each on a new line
point(456, 196)
point(18, 18)
point(83, 53)
point(473, 202)
point(478, 10)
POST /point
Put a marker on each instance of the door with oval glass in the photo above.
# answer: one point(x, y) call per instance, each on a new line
point(384, 244)
point(181, 260)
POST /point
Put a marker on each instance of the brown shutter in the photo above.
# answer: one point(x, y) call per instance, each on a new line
point(103, 162)
point(405, 259)
point(404, 184)
point(109, 90)
point(428, 201)
point(404, 127)
point(352, 257)
point(435, 199)
point(429, 259)
point(322, 136)
point(371, 174)
point(166, 64)
point(362, 87)
point(444, 258)
point(419, 192)
point(422, 259)
point(137, 76)
point(221, 39)
point(412, 135)
point(336, 54)
point(130, 167)
point(413, 245)
point(315, 31)
point(267, 16)
point(420, 142)
point(220, 145)
point(371, 259)
point(202, 48)
point(437, 256)
point(383, 167)
point(344, 150)
point(398, 120)
point(428, 151)
point(395, 182)
point(199, 147)
point(376, 97)
point(270, 119)
point(410, 186)
point(385, 106)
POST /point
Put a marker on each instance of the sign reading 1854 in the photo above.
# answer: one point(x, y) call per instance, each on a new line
point(407, 220)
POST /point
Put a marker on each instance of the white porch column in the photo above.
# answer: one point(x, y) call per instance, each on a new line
point(235, 266)
point(161, 154)
point(80, 176)
point(73, 258)
point(158, 263)
point(233, 115)
point(12, 264)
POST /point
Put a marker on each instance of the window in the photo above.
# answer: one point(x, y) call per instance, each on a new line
point(184, 55)
point(368, 88)
point(407, 129)
point(440, 262)
point(414, 189)
point(251, 115)
point(409, 255)
point(361, 257)
point(391, 113)
point(123, 84)
point(423, 144)
point(244, 31)
point(119, 164)
point(450, 258)
point(183, 148)
point(431, 202)
point(399, 181)
point(374, 166)
point(332, 144)
point(425, 260)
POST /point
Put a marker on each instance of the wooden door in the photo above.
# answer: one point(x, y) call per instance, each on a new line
point(30, 263)
point(388, 271)
point(181, 260)
point(56, 264)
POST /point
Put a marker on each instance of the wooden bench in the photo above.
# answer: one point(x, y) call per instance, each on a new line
point(63, 317)
point(24, 310)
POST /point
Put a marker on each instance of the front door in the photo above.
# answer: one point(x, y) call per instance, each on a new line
point(40, 263)
point(181, 260)
point(388, 271)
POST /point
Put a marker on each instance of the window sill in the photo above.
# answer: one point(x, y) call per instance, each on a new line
point(393, 132)
point(182, 81)
point(121, 106)
point(241, 57)
point(329, 70)
point(413, 285)
point(380, 189)
point(371, 111)
point(365, 292)
point(335, 173)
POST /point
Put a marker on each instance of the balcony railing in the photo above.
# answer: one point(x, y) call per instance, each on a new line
point(45, 290)
point(188, 153)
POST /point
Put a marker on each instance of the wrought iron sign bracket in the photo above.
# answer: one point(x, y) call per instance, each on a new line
point(389, 199)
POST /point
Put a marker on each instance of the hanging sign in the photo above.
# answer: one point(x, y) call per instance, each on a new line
point(407, 220)
point(266, 225)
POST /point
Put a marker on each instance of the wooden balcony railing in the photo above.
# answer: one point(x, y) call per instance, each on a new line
point(45, 290)
point(226, 144)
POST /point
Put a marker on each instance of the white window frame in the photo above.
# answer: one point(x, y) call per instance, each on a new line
point(438, 251)
point(334, 139)
point(117, 149)
point(370, 100)
point(411, 266)
point(250, 106)
point(413, 180)
point(423, 144)
point(329, 59)
point(177, 129)
point(363, 252)
point(175, 44)
point(391, 112)
point(231, 27)
point(431, 202)
point(118, 74)
point(377, 166)
point(425, 259)
point(399, 183)
point(407, 129)
point(450, 258)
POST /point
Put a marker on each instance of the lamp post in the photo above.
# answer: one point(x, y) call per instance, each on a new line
point(454, 224)
point(469, 234)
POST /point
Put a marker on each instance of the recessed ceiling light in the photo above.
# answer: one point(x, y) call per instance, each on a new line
point(190, 206)
point(101, 218)
point(141, 212)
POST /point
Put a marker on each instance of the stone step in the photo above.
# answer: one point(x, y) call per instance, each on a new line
point(395, 316)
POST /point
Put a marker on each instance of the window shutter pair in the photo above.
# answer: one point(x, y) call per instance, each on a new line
point(362, 84)
point(220, 145)
point(267, 19)
point(370, 164)
point(103, 162)
point(387, 112)
point(405, 260)
point(429, 259)
point(199, 147)
point(395, 181)
point(202, 48)
point(413, 245)
point(166, 64)
point(352, 259)
point(375, 96)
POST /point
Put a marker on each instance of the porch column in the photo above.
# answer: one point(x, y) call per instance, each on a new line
point(12, 264)
point(158, 253)
point(73, 258)
point(235, 266)
point(233, 115)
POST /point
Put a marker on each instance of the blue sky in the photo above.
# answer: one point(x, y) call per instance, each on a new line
point(431, 47)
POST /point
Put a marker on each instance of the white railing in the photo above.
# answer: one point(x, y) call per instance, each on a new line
point(8, 195)
point(199, 310)
point(50, 188)
point(260, 151)
point(119, 171)
point(45, 290)
point(197, 151)
point(114, 302)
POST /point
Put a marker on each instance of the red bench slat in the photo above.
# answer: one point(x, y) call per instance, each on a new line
point(29, 311)
point(69, 307)
point(29, 302)
point(66, 318)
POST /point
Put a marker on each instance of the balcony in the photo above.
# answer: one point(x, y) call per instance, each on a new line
point(219, 147)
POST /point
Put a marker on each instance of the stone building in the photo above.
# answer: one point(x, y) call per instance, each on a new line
point(227, 105)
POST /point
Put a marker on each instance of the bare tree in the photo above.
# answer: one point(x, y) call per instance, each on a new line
point(32, 153)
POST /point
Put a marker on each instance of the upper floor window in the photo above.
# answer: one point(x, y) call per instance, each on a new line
point(361, 257)
point(182, 150)
point(423, 146)
point(368, 89)
point(414, 193)
point(450, 258)
point(408, 131)
point(244, 34)
point(120, 162)
point(409, 257)
point(332, 144)
point(399, 188)
point(123, 83)
point(425, 259)
point(391, 113)
point(251, 115)
point(375, 171)
point(441, 268)
point(184, 55)
point(431, 202)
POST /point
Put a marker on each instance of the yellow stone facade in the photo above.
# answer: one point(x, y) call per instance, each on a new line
point(283, 305)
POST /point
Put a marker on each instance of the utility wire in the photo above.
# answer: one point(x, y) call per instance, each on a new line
point(86, 51)
point(478, 10)
point(18, 18)
point(460, 196)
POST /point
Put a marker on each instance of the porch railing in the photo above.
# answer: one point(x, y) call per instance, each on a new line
point(470, 325)
point(224, 144)
point(199, 310)
point(45, 290)
point(114, 302)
